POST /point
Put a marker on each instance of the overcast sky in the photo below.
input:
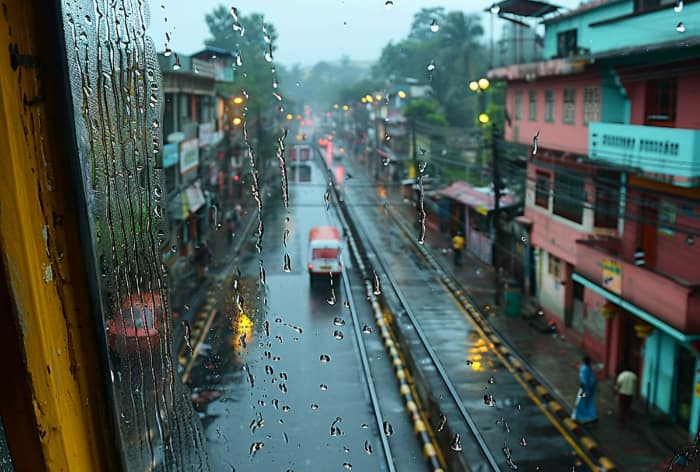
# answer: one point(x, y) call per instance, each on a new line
point(309, 30)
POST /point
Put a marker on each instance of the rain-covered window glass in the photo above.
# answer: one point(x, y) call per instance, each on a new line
point(118, 95)
point(311, 221)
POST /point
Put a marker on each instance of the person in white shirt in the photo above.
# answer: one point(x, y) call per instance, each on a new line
point(626, 388)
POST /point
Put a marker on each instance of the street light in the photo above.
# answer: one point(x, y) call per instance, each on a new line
point(289, 116)
point(237, 121)
point(237, 100)
point(401, 94)
point(346, 108)
point(483, 118)
point(483, 83)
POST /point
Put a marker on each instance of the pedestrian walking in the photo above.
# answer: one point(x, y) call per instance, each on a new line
point(457, 247)
point(626, 389)
point(584, 407)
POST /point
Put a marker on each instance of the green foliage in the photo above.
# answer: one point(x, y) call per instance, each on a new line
point(424, 111)
point(456, 52)
point(255, 75)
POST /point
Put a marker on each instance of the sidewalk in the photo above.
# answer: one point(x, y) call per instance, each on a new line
point(648, 442)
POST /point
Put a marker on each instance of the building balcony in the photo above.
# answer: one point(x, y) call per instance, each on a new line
point(644, 291)
point(670, 155)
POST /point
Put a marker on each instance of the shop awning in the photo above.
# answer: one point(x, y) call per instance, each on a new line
point(636, 311)
point(479, 198)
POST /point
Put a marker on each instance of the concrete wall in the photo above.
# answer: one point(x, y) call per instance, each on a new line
point(555, 135)
point(551, 294)
point(687, 115)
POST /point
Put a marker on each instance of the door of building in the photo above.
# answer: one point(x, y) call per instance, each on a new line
point(631, 346)
point(685, 372)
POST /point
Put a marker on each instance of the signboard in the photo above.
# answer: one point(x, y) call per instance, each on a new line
point(612, 276)
point(206, 134)
point(189, 155)
point(170, 155)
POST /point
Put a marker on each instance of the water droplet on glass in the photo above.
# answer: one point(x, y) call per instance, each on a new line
point(186, 325)
point(388, 429)
point(325, 358)
point(347, 466)
point(678, 7)
point(173, 249)
point(177, 65)
point(368, 448)
point(324, 387)
point(366, 329)
point(88, 20)
point(255, 447)
point(364, 426)
point(495, 9)
point(680, 27)
point(286, 408)
point(338, 321)
point(377, 286)
point(431, 66)
point(275, 84)
point(269, 370)
point(283, 388)
point(338, 335)
point(492, 380)
point(456, 444)
point(388, 4)
point(335, 431)
point(443, 422)
point(523, 442)
point(268, 54)
point(168, 52)
point(158, 211)
point(489, 401)
point(434, 27)
point(314, 406)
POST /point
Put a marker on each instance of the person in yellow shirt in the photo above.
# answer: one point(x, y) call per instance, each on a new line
point(457, 248)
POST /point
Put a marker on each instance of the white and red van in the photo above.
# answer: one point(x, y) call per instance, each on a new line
point(324, 251)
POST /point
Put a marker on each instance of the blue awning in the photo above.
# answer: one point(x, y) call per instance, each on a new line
point(636, 311)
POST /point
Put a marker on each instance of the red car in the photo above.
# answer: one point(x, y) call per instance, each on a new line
point(137, 322)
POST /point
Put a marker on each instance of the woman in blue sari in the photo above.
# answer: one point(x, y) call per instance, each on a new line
point(584, 409)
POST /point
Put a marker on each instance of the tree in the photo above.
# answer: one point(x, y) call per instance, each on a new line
point(252, 41)
point(424, 111)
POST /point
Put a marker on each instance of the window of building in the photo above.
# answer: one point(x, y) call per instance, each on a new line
point(549, 106)
point(519, 105)
point(660, 107)
point(532, 106)
point(553, 265)
point(644, 5)
point(607, 200)
point(567, 43)
point(569, 195)
point(591, 104)
point(568, 116)
point(542, 186)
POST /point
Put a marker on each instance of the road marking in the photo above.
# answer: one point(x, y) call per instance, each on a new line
point(195, 348)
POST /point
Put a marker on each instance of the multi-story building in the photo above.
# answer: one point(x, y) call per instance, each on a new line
point(609, 119)
point(195, 126)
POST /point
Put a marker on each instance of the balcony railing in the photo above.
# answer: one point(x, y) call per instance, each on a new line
point(667, 154)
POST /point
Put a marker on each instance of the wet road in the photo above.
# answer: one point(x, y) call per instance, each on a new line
point(293, 396)
point(513, 426)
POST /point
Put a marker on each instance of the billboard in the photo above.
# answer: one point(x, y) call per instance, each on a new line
point(189, 155)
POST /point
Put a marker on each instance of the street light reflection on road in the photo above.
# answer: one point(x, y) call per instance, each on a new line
point(242, 330)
